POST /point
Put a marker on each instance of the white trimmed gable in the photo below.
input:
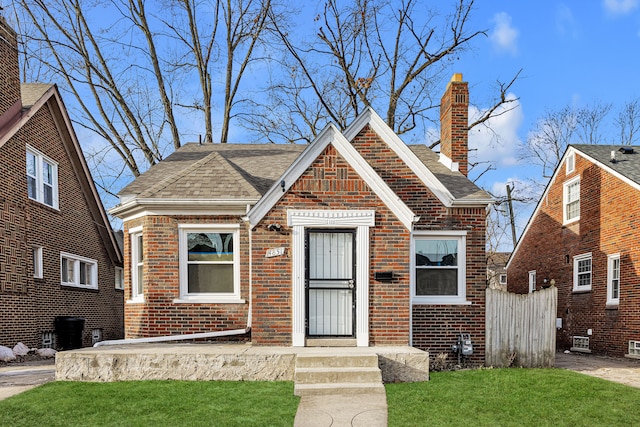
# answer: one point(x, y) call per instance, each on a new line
point(370, 117)
point(331, 135)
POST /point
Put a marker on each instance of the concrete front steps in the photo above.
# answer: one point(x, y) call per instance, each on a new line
point(317, 374)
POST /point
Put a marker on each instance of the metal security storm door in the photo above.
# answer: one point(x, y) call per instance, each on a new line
point(330, 283)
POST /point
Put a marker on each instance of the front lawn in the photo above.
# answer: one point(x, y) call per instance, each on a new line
point(512, 397)
point(152, 403)
point(487, 397)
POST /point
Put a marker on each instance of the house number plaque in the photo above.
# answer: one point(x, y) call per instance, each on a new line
point(274, 252)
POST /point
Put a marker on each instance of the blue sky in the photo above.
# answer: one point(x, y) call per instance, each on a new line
point(571, 53)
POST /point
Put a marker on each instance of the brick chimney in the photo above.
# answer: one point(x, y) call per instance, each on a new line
point(454, 120)
point(10, 100)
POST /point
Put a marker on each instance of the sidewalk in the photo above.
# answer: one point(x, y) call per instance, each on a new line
point(336, 410)
point(16, 379)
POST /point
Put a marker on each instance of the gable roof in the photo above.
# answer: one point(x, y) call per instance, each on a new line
point(451, 188)
point(223, 176)
point(626, 168)
point(331, 135)
point(36, 96)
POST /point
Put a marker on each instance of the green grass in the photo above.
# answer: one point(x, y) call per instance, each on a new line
point(513, 397)
point(488, 397)
point(152, 403)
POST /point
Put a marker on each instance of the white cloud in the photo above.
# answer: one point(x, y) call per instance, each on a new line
point(566, 24)
point(497, 139)
point(504, 36)
point(619, 7)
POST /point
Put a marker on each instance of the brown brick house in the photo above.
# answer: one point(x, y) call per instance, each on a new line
point(354, 239)
point(583, 237)
point(58, 254)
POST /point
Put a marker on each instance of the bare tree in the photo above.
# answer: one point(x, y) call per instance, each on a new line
point(628, 122)
point(369, 53)
point(589, 121)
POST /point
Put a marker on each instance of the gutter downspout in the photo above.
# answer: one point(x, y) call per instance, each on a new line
point(215, 334)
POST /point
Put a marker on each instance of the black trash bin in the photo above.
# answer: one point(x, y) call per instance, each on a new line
point(69, 330)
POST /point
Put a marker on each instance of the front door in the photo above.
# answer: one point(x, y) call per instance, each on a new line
point(330, 283)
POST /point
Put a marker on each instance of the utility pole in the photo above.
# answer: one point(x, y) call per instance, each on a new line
point(513, 225)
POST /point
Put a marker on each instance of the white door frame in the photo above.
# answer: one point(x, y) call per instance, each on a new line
point(361, 220)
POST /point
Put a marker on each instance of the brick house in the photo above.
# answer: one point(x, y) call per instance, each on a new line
point(58, 254)
point(355, 239)
point(583, 237)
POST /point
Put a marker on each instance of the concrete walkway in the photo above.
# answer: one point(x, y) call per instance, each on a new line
point(16, 379)
point(336, 410)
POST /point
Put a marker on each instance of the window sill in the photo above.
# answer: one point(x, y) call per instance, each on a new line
point(581, 291)
point(611, 306)
point(135, 301)
point(86, 288)
point(443, 301)
point(208, 300)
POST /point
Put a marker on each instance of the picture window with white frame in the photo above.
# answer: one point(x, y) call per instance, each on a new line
point(613, 279)
point(78, 271)
point(571, 200)
point(439, 272)
point(42, 178)
point(582, 272)
point(209, 263)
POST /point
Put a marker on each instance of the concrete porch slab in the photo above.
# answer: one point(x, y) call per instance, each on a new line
point(231, 362)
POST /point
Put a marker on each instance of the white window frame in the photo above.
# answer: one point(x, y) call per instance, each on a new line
point(77, 262)
point(461, 298)
point(40, 160)
point(613, 279)
point(502, 278)
point(215, 298)
point(565, 200)
point(134, 234)
point(571, 163)
point(37, 262)
point(119, 278)
point(532, 281)
point(576, 262)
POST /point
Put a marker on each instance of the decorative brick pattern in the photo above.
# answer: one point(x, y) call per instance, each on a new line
point(609, 212)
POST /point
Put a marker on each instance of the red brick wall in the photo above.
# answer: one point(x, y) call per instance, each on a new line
point(609, 211)
point(331, 183)
point(28, 305)
point(454, 119)
point(9, 71)
point(158, 315)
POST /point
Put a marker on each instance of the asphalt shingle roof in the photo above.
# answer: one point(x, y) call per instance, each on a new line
point(627, 165)
point(247, 171)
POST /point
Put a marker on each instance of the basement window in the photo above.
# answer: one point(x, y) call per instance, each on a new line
point(581, 344)
point(634, 350)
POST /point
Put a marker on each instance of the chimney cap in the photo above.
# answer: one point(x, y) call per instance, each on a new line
point(457, 77)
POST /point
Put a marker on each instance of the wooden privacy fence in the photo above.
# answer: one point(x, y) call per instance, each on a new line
point(521, 328)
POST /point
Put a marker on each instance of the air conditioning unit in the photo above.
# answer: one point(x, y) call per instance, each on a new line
point(580, 344)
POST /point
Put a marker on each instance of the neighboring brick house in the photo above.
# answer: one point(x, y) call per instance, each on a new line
point(584, 237)
point(58, 254)
point(354, 239)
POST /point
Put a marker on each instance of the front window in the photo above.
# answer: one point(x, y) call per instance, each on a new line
point(582, 272)
point(571, 201)
point(209, 263)
point(42, 178)
point(613, 279)
point(137, 265)
point(78, 271)
point(439, 274)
